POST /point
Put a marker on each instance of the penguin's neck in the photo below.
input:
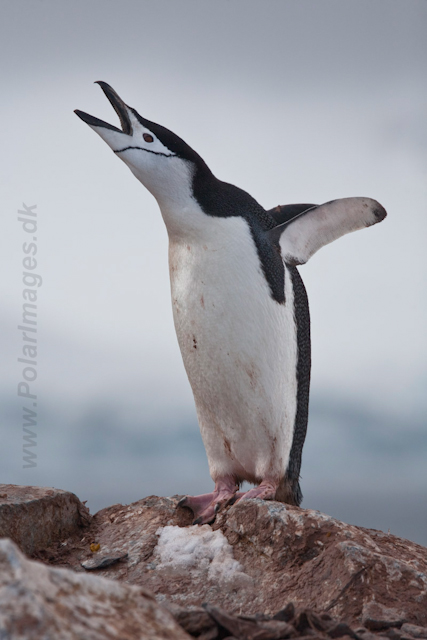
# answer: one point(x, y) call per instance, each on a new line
point(184, 218)
point(190, 196)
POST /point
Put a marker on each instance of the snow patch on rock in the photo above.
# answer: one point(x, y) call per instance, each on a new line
point(197, 550)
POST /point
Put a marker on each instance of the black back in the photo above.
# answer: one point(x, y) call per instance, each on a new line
point(302, 317)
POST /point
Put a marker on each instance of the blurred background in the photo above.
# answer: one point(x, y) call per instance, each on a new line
point(293, 101)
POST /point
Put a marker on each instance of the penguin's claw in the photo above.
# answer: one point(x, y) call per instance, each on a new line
point(207, 517)
point(206, 506)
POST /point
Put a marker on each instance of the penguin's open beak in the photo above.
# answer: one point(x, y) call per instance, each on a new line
point(119, 107)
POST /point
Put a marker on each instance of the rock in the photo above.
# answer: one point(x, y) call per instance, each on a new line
point(376, 616)
point(285, 614)
point(414, 630)
point(197, 622)
point(44, 603)
point(102, 561)
point(391, 634)
point(243, 628)
point(260, 555)
point(340, 630)
point(256, 558)
point(36, 517)
point(308, 622)
point(364, 634)
point(304, 624)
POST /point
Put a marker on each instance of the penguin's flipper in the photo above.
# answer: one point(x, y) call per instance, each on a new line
point(309, 230)
point(287, 212)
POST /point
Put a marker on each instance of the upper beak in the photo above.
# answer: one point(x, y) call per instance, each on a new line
point(119, 107)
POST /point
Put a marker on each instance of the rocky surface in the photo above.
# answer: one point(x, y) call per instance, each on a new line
point(40, 602)
point(246, 569)
point(36, 517)
point(210, 623)
point(257, 557)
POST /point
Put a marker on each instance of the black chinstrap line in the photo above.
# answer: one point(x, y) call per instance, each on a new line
point(156, 153)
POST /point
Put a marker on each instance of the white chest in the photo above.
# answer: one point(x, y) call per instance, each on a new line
point(238, 346)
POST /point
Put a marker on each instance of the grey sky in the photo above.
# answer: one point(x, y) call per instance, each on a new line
point(293, 101)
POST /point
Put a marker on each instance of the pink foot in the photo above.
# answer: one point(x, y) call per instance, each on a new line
point(264, 491)
point(206, 506)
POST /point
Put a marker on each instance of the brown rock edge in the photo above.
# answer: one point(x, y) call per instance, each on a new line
point(36, 517)
point(44, 603)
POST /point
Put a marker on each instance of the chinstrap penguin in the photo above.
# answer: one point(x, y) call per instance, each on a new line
point(239, 305)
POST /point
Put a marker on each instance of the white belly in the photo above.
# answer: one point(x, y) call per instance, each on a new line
point(239, 350)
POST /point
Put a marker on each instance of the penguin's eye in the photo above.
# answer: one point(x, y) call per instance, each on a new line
point(147, 137)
